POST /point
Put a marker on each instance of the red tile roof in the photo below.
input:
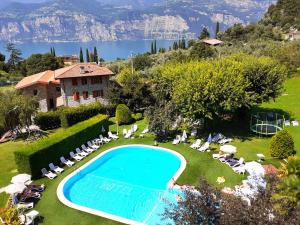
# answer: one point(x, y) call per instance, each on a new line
point(77, 70)
point(45, 77)
point(82, 69)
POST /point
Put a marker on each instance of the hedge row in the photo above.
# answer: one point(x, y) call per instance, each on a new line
point(34, 156)
point(48, 120)
point(68, 116)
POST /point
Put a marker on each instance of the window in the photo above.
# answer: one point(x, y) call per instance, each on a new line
point(74, 82)
point(98, 93)
point(57, 89)
point(76, 96)
point(35, 92)
point(85, 94)
point(96, 80)
point(84, 81)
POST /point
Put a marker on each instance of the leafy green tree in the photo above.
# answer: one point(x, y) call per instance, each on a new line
point(201, 50)
point(37, 63)
point(204, 34)
point(142, 61)
point(14, 57)
point(87, 55)
point(95, 55)
point(81, 56)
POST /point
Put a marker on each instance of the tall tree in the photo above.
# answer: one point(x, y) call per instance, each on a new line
point(217, 29)
point(81, 56)
point(204, 34)
point(95, 55)
point(154, 47)
point(54, 54)
point(51, 51)
point(14, 57)
point(183, 43)
point(87, 55)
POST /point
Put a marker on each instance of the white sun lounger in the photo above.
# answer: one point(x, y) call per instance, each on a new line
point(129, 134)
point(92, 145)
point(225, 141)
point(197, 144)
point(81, 153)
point(113, 136)
point(25, 205)
point(105, 139)
point(87, 150)
point(204, 147)
point(75, 156)
point(176, 141)
point(56, 169)
point(48, 174)
point(145, 131)
point(135, 128)
point(124, 132)
point(66, 162)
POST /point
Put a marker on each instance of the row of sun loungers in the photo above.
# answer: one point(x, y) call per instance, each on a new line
point(178, 139)
point(236, 164)
point(198, 146)
point(77, 155)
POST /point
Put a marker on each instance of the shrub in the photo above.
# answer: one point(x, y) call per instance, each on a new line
point(47, 120)
point(123, 114)
point(34, 156)
point(137, 116)
point(282, 145)
point(72, 115)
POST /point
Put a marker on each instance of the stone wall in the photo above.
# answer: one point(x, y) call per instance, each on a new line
point(67, 90)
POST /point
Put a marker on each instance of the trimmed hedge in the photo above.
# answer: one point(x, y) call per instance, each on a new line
point(72, 115)
point(137, 116)
point(123, 114)
point(47, 120)
point(34, 156)
point(282, 145)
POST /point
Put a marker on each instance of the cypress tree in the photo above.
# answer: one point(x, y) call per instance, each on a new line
point(81, 56)
point(204, 34)
point(217, 29)
point(54, 54)
point(95, 55)
point(51, 52)
point(183, 43)
point(154, 48)
point(87, 55)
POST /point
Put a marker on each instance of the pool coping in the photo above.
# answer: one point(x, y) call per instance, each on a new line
point(65, 201)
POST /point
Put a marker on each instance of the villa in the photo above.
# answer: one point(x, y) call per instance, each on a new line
point(213, 42)
point(69, 86)
point(293, 35)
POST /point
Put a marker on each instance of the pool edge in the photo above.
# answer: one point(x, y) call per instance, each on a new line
point(65, 201)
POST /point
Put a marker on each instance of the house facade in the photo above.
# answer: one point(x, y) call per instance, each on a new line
point(44, 88)
point(70, 86)
point(293, 35)
point(83, 84)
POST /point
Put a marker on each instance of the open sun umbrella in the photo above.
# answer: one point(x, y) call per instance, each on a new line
point(230, 149)
point(14, 188)
point(21, 178)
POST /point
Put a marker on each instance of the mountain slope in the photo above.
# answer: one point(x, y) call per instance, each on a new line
point(86, 20)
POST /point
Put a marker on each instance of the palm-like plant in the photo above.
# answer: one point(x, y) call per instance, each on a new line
point(289, 188)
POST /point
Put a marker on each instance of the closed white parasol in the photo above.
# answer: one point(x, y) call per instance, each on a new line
point(255, 169)
point(230, 149)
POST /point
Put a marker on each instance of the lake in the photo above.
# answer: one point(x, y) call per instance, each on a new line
point(108, 50)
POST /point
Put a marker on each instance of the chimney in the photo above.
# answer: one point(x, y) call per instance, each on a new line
point(82, 70)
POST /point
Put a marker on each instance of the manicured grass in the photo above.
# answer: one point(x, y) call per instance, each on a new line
point(198, 164)
point(6, 88)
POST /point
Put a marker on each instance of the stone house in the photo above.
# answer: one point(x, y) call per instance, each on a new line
point(293, 35)
point(44, 87)
point(70, 86)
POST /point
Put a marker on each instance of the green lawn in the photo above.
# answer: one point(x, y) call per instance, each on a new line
point(198, 164)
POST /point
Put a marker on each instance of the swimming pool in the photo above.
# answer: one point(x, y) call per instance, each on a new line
point(128, 184)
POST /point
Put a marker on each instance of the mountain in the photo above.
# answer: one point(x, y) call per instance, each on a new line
point(87, 20)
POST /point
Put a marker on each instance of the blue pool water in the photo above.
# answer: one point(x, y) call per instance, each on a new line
point(129, 182)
